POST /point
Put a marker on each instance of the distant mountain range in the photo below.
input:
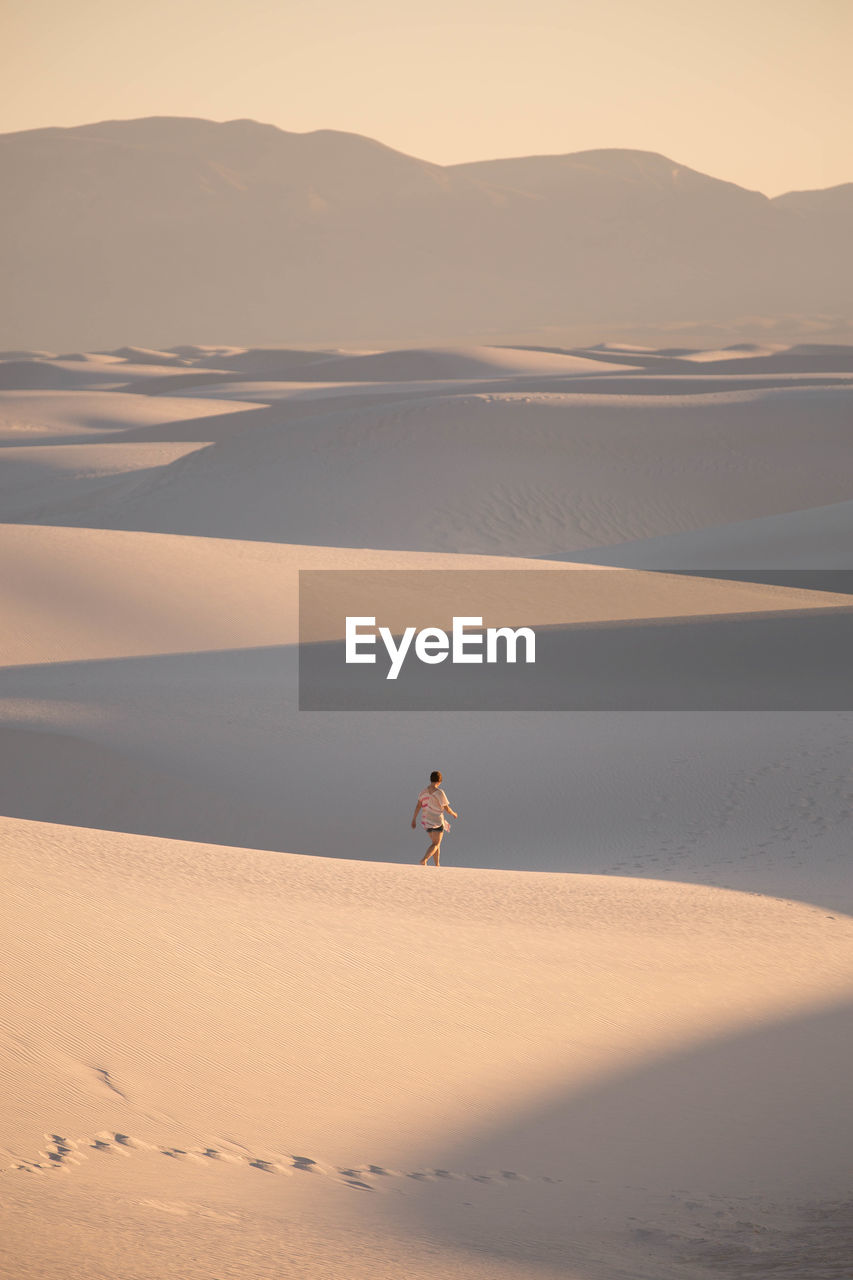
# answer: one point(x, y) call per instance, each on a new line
point(166, 230)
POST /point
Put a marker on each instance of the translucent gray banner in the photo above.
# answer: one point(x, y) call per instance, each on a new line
point(575, 638)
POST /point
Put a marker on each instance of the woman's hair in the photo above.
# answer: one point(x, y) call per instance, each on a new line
point(435, 776)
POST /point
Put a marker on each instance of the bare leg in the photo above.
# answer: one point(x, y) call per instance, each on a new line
point(434, 848)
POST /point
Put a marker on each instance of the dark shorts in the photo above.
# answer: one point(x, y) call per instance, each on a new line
point(435, 829)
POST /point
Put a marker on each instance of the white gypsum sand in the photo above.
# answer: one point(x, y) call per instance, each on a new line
point(238, 1038)
point(597, 1053)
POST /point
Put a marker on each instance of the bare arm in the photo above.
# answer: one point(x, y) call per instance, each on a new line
point(452, 812)
point(417, 811)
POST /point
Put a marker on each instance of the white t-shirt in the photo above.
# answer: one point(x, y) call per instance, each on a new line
point(432, 803)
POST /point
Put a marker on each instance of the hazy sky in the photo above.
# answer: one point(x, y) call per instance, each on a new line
point(755, 91)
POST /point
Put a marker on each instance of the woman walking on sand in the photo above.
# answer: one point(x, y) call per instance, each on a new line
point(432, 804)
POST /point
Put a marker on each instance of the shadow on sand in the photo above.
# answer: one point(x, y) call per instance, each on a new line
point(730, 1157)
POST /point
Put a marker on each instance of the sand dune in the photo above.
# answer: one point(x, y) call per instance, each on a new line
point(37, 373)
point(816, 538)
point(559, 473)
point(67, 479)
point(125, 653)
point(739, 358)
point(756, 802)
point(430, 366)
point(182, 364)
point(191, 349)
point(458, 362)
point(424, 364)
point(244, 1033)
point(145, 355)
point(77, 594)
point(738, 351)
point(72, 373)
point(28, 354)
point(82, 417)
point(260, 361)
point(522, 993)
point(794, 360)
point(91, 357)
point(799, 358)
